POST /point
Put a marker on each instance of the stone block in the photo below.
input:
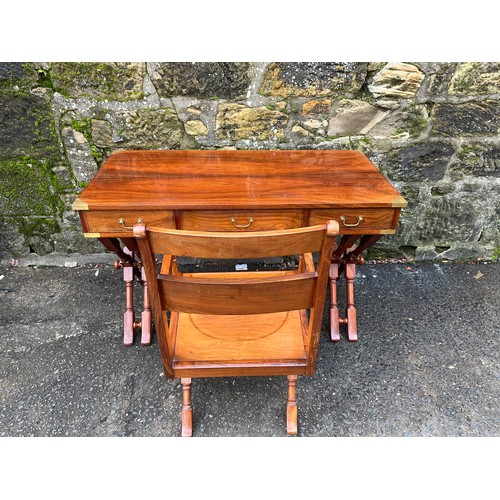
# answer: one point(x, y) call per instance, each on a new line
point(314, 124)
point(63, 176)
point(113, 81)
point(204, 80)
point(396, 79)
point(465, 251)
point(403, 123)
point(467, 118)
point(472, 78)
point(73, 241)
point(300, 131)
point(353, 117)
point(439, 82)
point(37, 232)
point(151, 129)
point(309, 79)
point(17, 74)
point(491, 230)
point(457, 217)
point(12, 242)
point(102, 133)
point(195, 127)
point(443, 188)
point(26, 127)
point(79, 154)
point(20, 236)
point(12, 70)
point(359, 118)
point(236, 121)
point(420, 162)
point(316, 107)
point(26, 189)
point(425, 253)
point(477, 159)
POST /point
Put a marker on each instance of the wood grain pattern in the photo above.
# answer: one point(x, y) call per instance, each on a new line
point(101, 221)
point(256, 220)
point(235, 245)
point(373, 218)
point(156, 180)
point(237, 296)
point(222, 339)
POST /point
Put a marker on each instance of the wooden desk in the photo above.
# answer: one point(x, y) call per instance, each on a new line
point(239, 191)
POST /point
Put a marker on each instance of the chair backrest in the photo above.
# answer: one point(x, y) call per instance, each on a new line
point(240, 294)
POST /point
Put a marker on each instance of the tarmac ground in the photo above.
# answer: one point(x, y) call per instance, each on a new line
point(426, 363)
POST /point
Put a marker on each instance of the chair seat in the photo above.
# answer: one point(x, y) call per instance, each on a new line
point(260, 344)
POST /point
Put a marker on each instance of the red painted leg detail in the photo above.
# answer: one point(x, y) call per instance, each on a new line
point(128, 317)
point(350, 273)
point(146, 313)
point(334, 309)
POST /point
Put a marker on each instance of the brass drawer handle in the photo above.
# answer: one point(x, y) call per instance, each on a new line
point(360, 219)
point(250, 220)
point(122, 223)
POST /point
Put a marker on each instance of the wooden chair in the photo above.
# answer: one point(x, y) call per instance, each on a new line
point(238, 323)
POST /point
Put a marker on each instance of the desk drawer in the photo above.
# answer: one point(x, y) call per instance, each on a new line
point(107, 221)
point(358, 221)
point(240, 220)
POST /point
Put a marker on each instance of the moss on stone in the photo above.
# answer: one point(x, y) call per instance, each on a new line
point(28, 188)
point(38, 226)
point(34, 234)
point(476, 78)
point(471, 148)
point(27, 126)
point(99, 80)
point(84, 126)
point(44, 79)
point(362, 141)
point(17, 75)
point(416, 126)
point(31, 204)
point(384, 253)
point(495, 256)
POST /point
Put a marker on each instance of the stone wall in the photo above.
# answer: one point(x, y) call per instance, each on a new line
point(432, 128)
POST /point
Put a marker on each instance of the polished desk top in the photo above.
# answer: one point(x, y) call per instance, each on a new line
point(220, 179)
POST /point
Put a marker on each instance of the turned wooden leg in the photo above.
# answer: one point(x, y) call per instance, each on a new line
point(291, 405)
point(336, 269)
point(350, 273)
point(125, 262)
point(353, 257)
point(128, 317)
point(146, 313)
point(334, 308)
point(187, 409)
